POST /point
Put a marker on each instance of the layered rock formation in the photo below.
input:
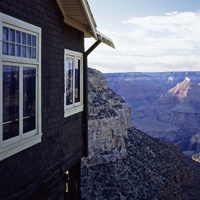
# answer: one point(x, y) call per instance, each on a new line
point(174, 112)
point(109, 118)
point(186, 107)
point(126, 163)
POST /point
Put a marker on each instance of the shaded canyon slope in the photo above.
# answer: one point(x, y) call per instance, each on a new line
point(164, 105)
point(125, 163)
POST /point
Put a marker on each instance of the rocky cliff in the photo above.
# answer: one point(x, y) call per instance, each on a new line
point(125, 163)
point(109, 119)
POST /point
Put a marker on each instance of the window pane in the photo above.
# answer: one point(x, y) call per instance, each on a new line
point(24, 51)
point(10, 102)
point(33, 52)
point(23, 38)
point(12, 35)
point(28, 52)
point(29, 92)
point(33, 41)
point(18, 50)
point(77, 80)
point(5, 33)
point(29, 39)
point(69, 81)
point(5, 38)
point(11, 49)
point(5, 48)
point(18, 36)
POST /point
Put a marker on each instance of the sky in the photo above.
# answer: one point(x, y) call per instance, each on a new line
point(149, 35)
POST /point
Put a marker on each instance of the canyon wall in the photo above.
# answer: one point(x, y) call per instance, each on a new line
point(164, 105)
point(109, 119)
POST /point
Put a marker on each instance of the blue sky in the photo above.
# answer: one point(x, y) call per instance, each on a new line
point(149, 35)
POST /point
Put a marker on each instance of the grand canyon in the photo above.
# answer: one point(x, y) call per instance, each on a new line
point(126, 163)
point(164, 105)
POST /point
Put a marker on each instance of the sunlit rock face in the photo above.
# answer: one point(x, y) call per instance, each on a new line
point(194, 143)
point(196, 157)
point(109, 118)
point(186, 110)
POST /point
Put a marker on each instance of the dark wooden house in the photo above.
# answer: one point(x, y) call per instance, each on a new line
point(43, 96)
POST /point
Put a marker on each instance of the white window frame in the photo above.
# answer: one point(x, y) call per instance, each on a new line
point(75, 107)
point(16, 144)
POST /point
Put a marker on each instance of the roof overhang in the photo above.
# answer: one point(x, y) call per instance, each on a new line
point(77, 14)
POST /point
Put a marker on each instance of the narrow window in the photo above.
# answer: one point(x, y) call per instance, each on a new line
point(69, 81)
point(73, 96)
point(10, 102)
point(29, 99)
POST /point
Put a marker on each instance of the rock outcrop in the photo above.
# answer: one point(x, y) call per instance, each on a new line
point(109, 119)
point(196, 157)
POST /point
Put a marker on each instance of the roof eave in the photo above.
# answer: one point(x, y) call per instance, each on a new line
point(89, 30)
point(87, 25)
point(89, 17)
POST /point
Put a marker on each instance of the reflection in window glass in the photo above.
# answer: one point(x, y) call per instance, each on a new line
point(69, 81)
point(10, 102)
point(77, 80)
point(29, 91)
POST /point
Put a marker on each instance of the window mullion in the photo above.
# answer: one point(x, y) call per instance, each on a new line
point(1, 108)
point(36, 100)
point(65, 77)
point(21, 101)
point(81, 81)
point(73, 81)
point(1, 92)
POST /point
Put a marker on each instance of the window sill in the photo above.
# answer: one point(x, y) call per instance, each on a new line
point(72, 111)
point(19, 146)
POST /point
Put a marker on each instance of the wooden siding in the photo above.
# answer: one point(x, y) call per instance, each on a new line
point(38, 171)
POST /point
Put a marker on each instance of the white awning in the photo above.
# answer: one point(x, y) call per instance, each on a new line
point(106, 40)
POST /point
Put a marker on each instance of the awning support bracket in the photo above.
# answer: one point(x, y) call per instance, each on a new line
point(92, 47)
